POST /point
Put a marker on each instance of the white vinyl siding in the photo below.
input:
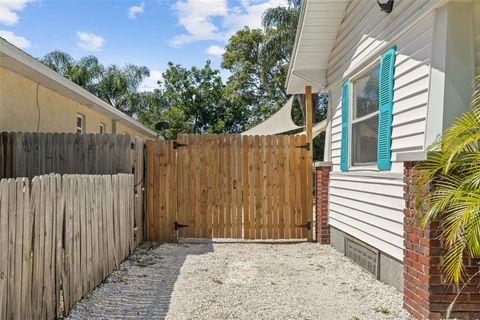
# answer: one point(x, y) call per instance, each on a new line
point(369, 205)
point(476, 24)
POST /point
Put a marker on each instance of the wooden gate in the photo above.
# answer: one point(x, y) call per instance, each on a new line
point(229, 186)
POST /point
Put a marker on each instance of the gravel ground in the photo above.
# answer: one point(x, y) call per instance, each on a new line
point(241, 281)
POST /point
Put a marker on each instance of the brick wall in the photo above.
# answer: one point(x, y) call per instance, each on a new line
point(321, 207)
point(426, 293)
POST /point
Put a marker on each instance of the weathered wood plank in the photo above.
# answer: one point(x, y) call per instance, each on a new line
point(4, 198)
point(26, 283)
point(17, 248)
point(12, 222)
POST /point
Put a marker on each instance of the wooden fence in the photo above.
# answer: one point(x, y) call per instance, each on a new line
point(210, 186)
point(229, 186)
point(276, 187)
point(60, 236)
point(161, 191)
point(33, 154)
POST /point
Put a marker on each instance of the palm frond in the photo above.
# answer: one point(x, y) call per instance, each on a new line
point(452, 171)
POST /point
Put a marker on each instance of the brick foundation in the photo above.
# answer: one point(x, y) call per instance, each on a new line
point(426, 293)
point(322, 174)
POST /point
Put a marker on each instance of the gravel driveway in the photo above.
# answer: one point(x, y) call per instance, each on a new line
point(241, 281)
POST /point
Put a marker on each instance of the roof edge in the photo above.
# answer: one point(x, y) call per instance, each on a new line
point(30, 62)
point(295, 45)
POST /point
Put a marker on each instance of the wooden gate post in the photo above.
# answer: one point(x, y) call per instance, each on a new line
point(308, 125)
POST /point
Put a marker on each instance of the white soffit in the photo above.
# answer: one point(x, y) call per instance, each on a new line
point(20, 62)
point(316, 33)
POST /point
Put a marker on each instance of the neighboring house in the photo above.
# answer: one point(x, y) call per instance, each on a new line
point(395, 81)
point(35, 98)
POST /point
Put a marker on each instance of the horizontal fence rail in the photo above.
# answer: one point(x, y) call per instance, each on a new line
point(33, 154)
point(61, 236)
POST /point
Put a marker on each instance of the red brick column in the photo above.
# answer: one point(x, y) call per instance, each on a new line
point(321, 207)
point(426, 293)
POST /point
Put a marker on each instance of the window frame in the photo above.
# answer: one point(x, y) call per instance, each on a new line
point(81, 129)
point(102, 128)
point(351, 121)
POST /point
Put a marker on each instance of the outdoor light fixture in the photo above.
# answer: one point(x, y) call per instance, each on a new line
point(161, 125)
point(387, 7)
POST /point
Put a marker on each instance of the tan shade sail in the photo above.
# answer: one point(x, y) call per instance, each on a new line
point(281, 121)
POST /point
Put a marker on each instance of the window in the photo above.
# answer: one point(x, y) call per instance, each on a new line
point(80, 123)
point(365, 118)
point(102, 127)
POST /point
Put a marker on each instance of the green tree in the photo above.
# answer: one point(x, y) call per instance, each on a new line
point(113, 84)
point(119, 86)
point(245, 88)
point(59, 61)
point(195, 102)
point(452, 169)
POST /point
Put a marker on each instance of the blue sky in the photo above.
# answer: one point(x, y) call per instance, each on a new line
point(149, 32)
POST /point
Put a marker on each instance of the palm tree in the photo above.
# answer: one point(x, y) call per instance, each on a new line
point(84, 72)
point(452, 169)
point(280, 24)
point(59, 61)
point(117, 86)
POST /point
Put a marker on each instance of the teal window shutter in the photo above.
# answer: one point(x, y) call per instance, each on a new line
point(344, 142)
point(385, 97)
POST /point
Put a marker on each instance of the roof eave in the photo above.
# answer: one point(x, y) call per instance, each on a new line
point(82, 94)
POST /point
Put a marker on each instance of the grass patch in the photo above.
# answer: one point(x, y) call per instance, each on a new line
point(383, 310)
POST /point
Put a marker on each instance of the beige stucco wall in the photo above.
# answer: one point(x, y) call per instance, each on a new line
point(19, 110)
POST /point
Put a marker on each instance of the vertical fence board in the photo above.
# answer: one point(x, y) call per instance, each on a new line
point(12, 219)
point(26, 282)
point(215, 185)
point(3, 240)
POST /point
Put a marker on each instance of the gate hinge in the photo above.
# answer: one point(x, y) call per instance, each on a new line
point(179, 225)
point(304, 146)
point(307, 225)
point(177, 145)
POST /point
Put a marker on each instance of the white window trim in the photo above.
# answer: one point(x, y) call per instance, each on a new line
point(102, 127)
point(82, 127)
point(362, 72)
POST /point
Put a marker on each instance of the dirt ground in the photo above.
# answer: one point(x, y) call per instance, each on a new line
point(241, 281)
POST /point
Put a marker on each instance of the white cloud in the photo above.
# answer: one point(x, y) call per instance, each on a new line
point(150, 83)
point(250, 15)
point(89, 41)
point(196, 16)
point(8, 16)
point(215, 20)
point(17, 41)
point(134, 10)
point(216, 51)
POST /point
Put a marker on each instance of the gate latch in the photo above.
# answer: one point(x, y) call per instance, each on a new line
point(177, 145)
point(179, 225)
point(304, 146)
point(307, 225)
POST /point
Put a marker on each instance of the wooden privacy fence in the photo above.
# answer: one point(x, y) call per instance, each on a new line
point(277, 187)
point(210, 186)
point(229, 186)
point(33, 154)
point(59, 238)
